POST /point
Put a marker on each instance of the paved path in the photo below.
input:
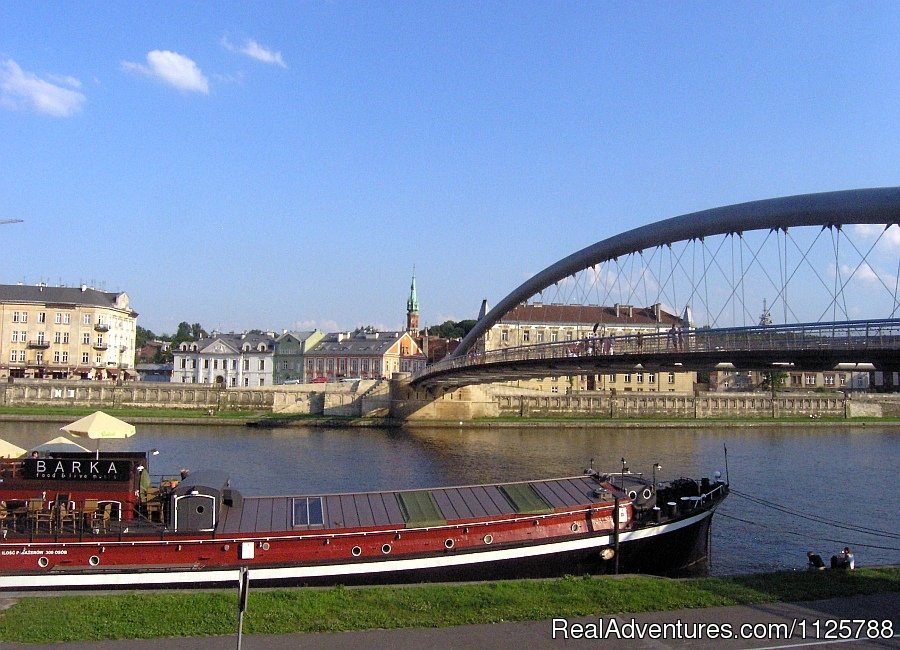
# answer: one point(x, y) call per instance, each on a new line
point(767, 621)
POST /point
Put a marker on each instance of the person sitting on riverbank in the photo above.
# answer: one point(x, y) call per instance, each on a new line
point(843, 560)
point(815, 561)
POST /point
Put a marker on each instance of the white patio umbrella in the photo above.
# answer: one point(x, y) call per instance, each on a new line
point(59, 443)
point(9, 450)
point(99, 425)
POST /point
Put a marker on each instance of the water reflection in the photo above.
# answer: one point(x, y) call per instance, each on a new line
point(843, 475)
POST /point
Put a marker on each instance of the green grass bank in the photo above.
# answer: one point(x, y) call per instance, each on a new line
point(148, 615)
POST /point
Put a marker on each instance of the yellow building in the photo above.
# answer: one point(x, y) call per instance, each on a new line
point(536, 323)
point(66, 333)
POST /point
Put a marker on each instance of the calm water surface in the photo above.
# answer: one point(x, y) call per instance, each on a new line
point(833, 475)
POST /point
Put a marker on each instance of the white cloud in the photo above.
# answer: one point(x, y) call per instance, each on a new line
point(308, 325)
point(171, 68)
point(20, 89)
point(255, 51)
point(864, 273)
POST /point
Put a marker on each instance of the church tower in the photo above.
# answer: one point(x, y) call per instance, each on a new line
point(412, 308)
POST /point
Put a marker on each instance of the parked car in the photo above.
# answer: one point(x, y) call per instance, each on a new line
point(320, 380)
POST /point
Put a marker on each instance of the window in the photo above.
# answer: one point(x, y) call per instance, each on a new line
point(57, 337)
point(526, 336)
point(262, 381)
point(85, 319)
point(843, 380)
point(284, 365)
point(365, 365)
point(40, 338)
point(206, 364)
point(183, 363)
point(568, 336)
point(57, 318)
point(56, 356)
point(651, 377)
point(262, 364)
point(12, 356)
point(671, 377)
point(639, 377)
point(85, 357)
point(829, 380)
point(246, 382)
point(504, 335)
point(626, 377)
point(15, 336)
point(193, 364)
point(809, 379)
point(42, 317)
point(246, 364)
point(308, 511)
point(98, 359)
point(39, 358)
point(86, 338)
point(612, 378)
point(66, 319)
point(65, 357)
point(540, 336)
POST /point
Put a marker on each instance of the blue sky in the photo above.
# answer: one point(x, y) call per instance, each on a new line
point(285, 164)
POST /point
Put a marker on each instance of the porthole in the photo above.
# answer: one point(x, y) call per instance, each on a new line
point(488, 539)
point(448, 543)
point(93, 560)
point(43, 562)
point(356, 551)
point(575, 528)
point(385, 548)
point(632, 494)
point(647, 493)
point(265, 546)
point(200, 510)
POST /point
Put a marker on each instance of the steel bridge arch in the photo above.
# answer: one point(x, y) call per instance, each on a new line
point(861, 206)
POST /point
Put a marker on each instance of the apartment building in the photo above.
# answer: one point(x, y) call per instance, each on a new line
point(364, 354)
point(66, 333)
point(537, 323)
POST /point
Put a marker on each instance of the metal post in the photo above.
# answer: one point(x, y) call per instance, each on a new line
point(616, 535)
point(243, 589)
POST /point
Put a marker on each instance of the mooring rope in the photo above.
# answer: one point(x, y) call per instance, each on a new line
point(821, 520)
point(808, 535)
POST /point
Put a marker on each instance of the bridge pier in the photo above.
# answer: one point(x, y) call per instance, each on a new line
point(462, 404)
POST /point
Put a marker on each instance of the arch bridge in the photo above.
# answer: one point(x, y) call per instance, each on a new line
point(807, 282)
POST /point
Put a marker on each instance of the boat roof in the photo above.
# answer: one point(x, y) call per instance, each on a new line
point(412, 508)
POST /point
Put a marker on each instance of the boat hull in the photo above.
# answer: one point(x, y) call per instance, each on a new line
point(670, 548)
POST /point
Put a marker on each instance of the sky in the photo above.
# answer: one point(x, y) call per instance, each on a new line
point(289, 165)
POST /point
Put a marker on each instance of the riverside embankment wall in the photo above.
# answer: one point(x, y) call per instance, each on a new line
point(396, 400)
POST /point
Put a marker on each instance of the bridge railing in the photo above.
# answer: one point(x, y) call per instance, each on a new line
point(881, 334)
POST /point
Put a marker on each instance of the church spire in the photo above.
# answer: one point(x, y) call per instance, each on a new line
point(412, 307)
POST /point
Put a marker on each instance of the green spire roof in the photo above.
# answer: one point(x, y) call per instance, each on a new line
point(413, 303)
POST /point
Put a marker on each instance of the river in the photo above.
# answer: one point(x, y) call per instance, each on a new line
point(817, 476)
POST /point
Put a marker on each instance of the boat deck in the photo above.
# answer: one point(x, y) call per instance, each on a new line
point(409, 508)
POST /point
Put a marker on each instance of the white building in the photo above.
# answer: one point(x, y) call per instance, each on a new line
point(228, 360)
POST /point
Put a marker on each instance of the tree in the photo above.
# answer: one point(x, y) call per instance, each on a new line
point(141, 336)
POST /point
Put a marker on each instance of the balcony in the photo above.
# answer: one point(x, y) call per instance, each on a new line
point(101, 327)
point(100, 346)
point(40, 343)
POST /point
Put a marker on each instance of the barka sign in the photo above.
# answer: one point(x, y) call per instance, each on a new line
point(76, 469)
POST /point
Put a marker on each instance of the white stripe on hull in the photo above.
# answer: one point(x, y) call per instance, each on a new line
point(139, 577)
